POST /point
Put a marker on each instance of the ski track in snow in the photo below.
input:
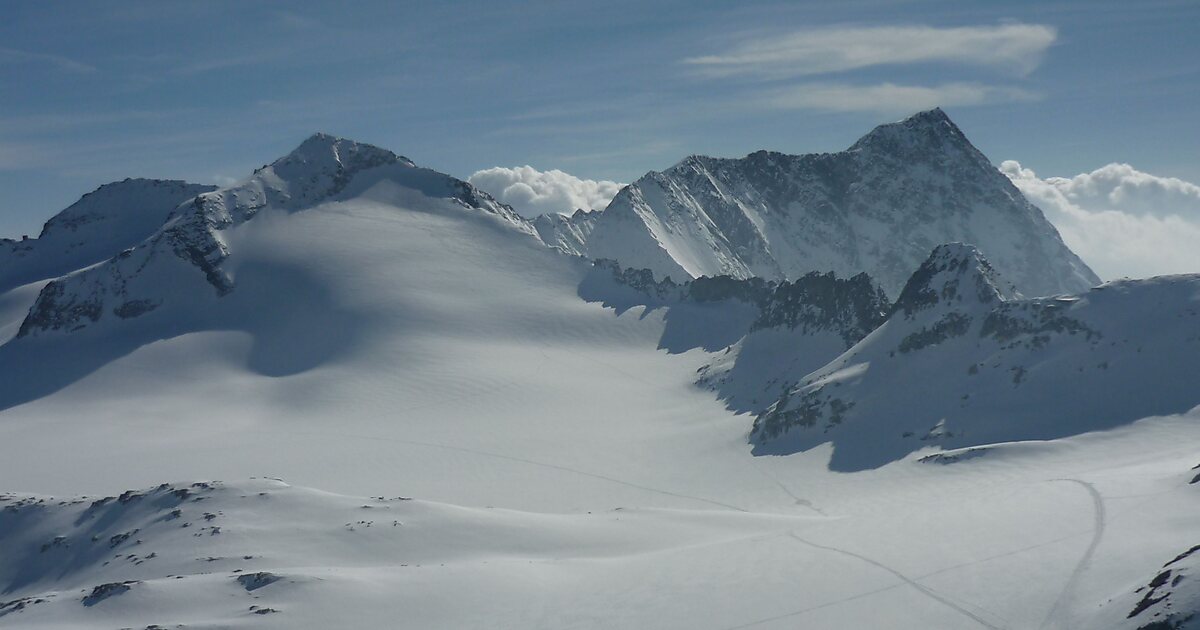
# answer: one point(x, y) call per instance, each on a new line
point(802, 611)
point(531, 462)
point(1099, 523)
point(928, 592)
point(799, 501)
point(905, 580)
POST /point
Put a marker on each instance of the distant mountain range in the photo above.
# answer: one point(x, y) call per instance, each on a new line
point(878, 208)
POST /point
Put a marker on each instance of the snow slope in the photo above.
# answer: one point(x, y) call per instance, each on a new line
point(14, 307)
point(964, 361)
point(1168, 601)
point(144, 278)
point(766, 334)
point(348, 321)
point(1036, 536)
point(878, 207)
point(101, 224)
point(425, 327)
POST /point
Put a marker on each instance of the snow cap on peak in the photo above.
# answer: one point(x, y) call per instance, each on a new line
point(926, 132)
point(324, 151)
point(955, 275)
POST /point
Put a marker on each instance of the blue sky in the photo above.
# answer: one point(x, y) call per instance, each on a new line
point(93, 92)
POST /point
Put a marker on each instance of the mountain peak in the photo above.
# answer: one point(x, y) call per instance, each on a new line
point(929, 132)
point(934, 116)
point(955, 274)
point(323, 138)
point(323, 169)
point(328, 152)
point(929, 121)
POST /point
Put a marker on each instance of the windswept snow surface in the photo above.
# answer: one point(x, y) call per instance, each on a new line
point(1032, 536)
point(406, 337)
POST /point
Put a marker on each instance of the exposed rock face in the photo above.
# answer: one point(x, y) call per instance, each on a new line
point(878, 207)
point(771, 333)
point(101, 224)
point(964, 360)
point(1168, 601)
point(851, 307)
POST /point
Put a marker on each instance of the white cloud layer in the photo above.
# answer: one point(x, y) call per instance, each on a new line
point(532, 192)
point(1014, 48)
point(889, 97)
point(1121, 221)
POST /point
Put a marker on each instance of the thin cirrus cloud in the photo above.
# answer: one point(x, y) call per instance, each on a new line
point(14, 56)
point(889, 97)
point(1123, 222)
point(1016, 48)
point(532, 192)
point(1008, 49)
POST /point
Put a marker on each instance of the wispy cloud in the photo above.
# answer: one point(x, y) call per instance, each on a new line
point(14, 56)
point(20, 156)
point(227, 63)
point(1014, 48)
point(888, 97)
point(29, 124)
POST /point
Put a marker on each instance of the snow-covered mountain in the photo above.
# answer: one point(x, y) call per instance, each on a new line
point(566, 232)
point(504, 435)
point(879, 207)
point(192, 247)
point(964, 361)
point(104, 222)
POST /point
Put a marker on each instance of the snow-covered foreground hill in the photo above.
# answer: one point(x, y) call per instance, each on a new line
point(359, 326)
point(1059, 535)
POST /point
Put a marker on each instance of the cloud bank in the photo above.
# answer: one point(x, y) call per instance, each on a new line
point(1014, 48)
point(532, 192)
point(1121, 221)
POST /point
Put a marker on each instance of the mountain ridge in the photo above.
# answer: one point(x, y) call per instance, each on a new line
point(114, 217)
point(322, 168)
point(963, 362)
point(878, 207)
